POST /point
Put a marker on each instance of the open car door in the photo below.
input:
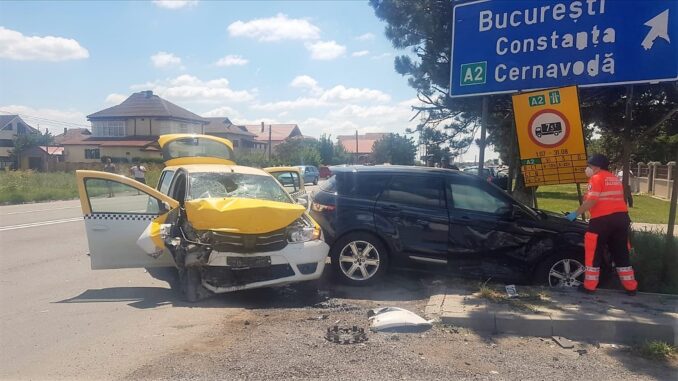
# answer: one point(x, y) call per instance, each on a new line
point(122, 215)
point(180, 149)
point(291, 179)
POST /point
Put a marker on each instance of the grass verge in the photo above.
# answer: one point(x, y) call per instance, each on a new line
point(563, 198)
point(528, 301)
point(656, 350)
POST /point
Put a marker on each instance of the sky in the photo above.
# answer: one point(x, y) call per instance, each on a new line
point(325, 66)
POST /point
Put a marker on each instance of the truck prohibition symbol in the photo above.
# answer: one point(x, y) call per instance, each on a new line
point(549, 129)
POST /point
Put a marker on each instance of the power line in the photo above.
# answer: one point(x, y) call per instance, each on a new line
point(59, 123)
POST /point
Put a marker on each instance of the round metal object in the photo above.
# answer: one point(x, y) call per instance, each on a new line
point(359, 260)
point(566, 273)
point(346, 335)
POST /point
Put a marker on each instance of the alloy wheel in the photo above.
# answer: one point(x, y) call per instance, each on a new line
point(359, 260)
point(566, 273)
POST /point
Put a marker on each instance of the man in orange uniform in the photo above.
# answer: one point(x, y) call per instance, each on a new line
point(609, 225)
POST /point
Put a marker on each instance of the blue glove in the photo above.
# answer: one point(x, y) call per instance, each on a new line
point(571, 216)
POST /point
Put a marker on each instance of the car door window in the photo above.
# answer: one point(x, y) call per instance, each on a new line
point(474, 196)
point(289, 180)
point(107, 196)
point(416, 191)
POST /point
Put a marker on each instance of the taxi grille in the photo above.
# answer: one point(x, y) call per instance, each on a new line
point(219, 276)
point(249, 243)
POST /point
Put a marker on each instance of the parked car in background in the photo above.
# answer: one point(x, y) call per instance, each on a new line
point(210, 226)
point(487, 173)
point(290, 179)
point(444, 220)
point(325, 172)
point(309, 173)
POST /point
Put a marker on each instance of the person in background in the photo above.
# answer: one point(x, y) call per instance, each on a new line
point(138, 172)
point(608, 227)
point(109, 167)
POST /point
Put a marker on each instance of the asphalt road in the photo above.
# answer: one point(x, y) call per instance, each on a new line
point(59, 319)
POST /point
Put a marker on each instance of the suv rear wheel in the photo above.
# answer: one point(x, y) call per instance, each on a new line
point(359, 259)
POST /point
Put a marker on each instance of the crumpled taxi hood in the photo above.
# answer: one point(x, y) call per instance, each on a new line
point(241, 215)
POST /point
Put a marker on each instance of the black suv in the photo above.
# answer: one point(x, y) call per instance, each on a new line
point(418, 217)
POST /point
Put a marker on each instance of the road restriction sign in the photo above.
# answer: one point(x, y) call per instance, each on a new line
point(550, 136)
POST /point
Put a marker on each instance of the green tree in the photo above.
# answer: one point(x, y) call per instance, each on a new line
point(394, 149)
point(24, 142)
point(340, 155)
point(298, 152)
point(327, 149)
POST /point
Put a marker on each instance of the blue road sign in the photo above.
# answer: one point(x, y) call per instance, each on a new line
point(507, 46)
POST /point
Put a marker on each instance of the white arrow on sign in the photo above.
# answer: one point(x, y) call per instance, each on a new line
point(659, 27)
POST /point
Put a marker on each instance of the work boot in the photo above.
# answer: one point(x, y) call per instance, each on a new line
point(585, 290)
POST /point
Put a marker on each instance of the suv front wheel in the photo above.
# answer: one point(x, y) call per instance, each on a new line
point(359, 259)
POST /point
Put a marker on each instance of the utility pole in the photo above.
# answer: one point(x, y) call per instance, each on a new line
point(483, 132)
point(626, 143)
point(269, 142)
point(674, 200)
point(356, 148)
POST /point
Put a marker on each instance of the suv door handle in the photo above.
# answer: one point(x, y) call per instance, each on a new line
point(391, 208)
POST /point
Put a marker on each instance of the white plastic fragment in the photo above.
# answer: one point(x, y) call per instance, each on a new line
point(395, 319)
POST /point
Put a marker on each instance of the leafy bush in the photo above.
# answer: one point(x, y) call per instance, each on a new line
point(656, 350)
point(655, 261)
point(17, 187)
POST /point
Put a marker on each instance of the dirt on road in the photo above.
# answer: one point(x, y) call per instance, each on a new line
point(280, 335)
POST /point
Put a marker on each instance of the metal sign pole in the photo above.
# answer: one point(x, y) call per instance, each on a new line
point(483, 133)
point(674, 199)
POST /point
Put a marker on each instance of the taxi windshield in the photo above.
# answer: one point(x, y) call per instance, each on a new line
point(216, 185)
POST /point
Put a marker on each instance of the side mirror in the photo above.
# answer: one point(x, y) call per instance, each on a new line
point(303, 201)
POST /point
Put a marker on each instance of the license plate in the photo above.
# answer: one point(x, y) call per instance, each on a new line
point(248, 262)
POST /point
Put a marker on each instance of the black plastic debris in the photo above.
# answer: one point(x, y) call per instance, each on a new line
point(346, 335)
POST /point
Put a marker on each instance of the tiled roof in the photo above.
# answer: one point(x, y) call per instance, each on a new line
point(223, 125)
point(72, 135)
point(365, 142)
point(147, 104)
point(279, 132)
point(5, 119)
point(51, 150)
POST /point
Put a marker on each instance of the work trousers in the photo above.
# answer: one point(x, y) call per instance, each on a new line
point(611, 232)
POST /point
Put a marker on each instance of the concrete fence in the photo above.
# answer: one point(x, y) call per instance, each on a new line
point(655, 178)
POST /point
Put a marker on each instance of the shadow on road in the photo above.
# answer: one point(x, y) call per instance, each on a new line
point(398, 286)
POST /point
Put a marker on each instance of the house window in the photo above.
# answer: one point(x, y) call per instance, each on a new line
point(108, 128)
point(92, 153)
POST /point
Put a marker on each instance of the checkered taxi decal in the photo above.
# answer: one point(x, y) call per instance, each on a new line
point(120, 217)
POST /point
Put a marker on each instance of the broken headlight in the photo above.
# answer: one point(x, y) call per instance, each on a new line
point(302, 230)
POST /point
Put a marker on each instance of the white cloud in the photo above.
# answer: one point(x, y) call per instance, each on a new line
point(175, 4)
point(226, 111)
point(360, 53)
point(299, 103)
point(53, 119)
point(306, 82)
point(275, 28)
point(380, 56)
point(192, 89)
point(164, 59)
point(365, 37)
point(16, 46)
point(341, 93)
point(232, 60)
point(325, 50)
point(115, 98)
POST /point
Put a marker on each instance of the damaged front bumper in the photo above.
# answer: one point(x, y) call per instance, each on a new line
point(297, 262)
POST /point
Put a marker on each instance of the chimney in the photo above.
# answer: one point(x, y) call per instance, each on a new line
point(65, 130)
point(262, 127)
point(148, 93)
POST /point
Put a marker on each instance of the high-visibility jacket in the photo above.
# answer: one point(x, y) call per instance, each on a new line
point(608, 191)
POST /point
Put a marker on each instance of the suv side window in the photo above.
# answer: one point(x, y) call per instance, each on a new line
point(417, 191)
point(475, 196)
point(365, 185)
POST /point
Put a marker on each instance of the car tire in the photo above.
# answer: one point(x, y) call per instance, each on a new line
point(560, 271)
point(371, 265)
point(191, 284)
